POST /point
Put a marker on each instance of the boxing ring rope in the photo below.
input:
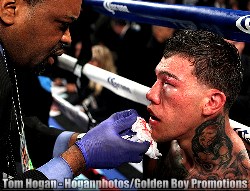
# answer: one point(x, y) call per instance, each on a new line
point(73, 113)
point(119, 85)
point(126, 88)
point(230, 24)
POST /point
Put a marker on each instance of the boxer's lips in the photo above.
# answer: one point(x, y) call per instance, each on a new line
point(154, 118)
point(153, 121)
point(152, 115)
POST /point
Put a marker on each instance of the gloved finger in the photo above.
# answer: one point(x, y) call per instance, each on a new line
point(127, 132)
point(136, 147)
point(137, 151)
point(124, 120)
point(137, 159)
point(147, 144)
point(124, 114)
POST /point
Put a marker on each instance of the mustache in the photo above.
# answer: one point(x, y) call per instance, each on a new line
point(61, 47)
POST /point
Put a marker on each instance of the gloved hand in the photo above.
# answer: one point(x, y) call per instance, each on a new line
point(45, 83)
point(103, 147)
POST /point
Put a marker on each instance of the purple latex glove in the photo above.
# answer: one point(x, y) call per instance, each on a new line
point(103, 147)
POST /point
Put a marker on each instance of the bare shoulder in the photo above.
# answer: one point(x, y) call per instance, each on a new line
point(240, 166)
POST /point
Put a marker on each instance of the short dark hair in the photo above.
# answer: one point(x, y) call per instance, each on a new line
point(216, 62)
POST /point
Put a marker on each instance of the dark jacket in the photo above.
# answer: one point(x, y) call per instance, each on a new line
point(40, 139)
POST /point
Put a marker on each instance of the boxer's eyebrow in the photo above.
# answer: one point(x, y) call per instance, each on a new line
point(72, 18)
point(165, 73)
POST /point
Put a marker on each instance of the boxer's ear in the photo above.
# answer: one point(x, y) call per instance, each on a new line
point(214, 102)
point(8, 11)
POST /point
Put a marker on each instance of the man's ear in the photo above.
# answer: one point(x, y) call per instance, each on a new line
point(214, 102)
point(8, 11)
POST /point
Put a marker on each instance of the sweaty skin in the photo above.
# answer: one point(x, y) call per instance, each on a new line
point(205, 148)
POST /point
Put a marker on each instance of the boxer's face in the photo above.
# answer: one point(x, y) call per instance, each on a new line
point(177, 99)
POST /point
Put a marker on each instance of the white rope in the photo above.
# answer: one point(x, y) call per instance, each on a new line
point(129, 89)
